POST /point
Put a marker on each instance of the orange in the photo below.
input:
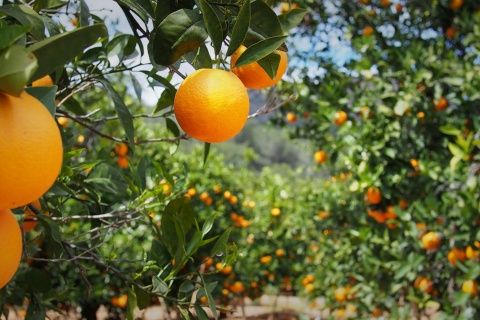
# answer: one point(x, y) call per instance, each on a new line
point(340, 294)
point(431, 240)
point(10, 246)
point(291, 117)
point(122, 162)
point(374, 196)
point(266, 259)
point(450, 32)
point(275, 212)
point(456, 4)
point(309, 287)
point(237, 287)
point(403, 204)
point(31, 150)
point(211, 105)
point(368, 31)
point(414, 163)
point(424, 284)
point(280, 252)
point(28, 224)
point(120, 301)
point(320, 156)
point(471, 287)
point(398, 7)
point(441, 104)
point(43, 82)
point(253, 76)
point(340, 117)
point(62, 121)
point(377, 312)
point(385, 3)
point(365, 110)
point(121, 149)
point(472, 252)
point(456, 254)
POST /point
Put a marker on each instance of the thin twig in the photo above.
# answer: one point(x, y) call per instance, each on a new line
point(271, 106)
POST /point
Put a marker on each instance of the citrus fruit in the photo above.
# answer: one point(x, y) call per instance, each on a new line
point(374, 196)
point(10, 246)
point(470, 286)
point(320, 156)
point(441, 104)
point(456, 4)
point(340, 117)
point(43, 82)
point(211, 105)
point(431, 240)
point(30, 150)
point(340, 294)
point(368, 31)
point(252, 75)
point(275, 212)
point(456, 254)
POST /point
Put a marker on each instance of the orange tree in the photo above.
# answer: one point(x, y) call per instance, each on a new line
point(116, 220)
point(410, 97)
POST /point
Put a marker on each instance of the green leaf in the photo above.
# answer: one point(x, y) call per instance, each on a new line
point(184, 313)
point(27, 17)
point(206, 152)
point(159, 286)
point(84, 14)
point(260, 50)
point(214, 27)
point(143, 8)
point(221, 244)
point(270, 64)
point(240, 28)
point(143, 298)
point(17, 65)
point(292, 18)
point(264, 22)
point(58, 50)
point(199, 59)
point(208, 224)
point(460, 298)
point(123, 113)
point(400, 107)
point(46, 95)
point(10, 34)
point(450, 130)
point(53, 235)
point(456, 150)
point(201, 314)
point(159, 253)
point(122, 45)
point(131, 304)
point(186, 286)
point(36, 280)
point(35, 311)
point(207, 289)
point(180, 32)
point(48, 4)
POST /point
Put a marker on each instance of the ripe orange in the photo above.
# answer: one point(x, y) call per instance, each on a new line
point(291, 117)
point(414, 163)
point(275, 212)
point(31, 150)
point(368, 31)
point(456, 4)
point(456, 254)
point(309, 287)
point(121, 149)
point(471, 287)
point(43, 82)
point(280, 252)
point(10, 246)
point(385, 3)
point(441, 104)
point(340, 117)
point(237, 287)
point(424, 284)
point(30, 215)
point(320, 156)
point(120, 301)
point(377, 312)
point(266, 259)
point(365, 111)
point(472, 252)
point(62, 121)
point(398, 7)
point(122, 162)
point(450, 32)
point(253, 76)
point(340, 294)
point(211, 105)
point(431, 240)
point(374, 196)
